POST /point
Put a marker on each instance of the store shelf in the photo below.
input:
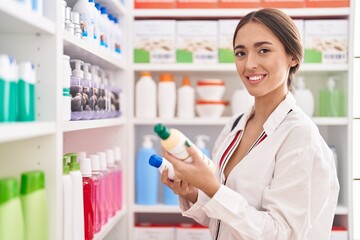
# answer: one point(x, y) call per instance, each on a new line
point(110, 225)
point(236, 13)
point(330, 121)
point(341, 210)
point(80, 49)
point(18, 131)
point(161, 208)
point(16, 18)
point(72, 126)
point(226, 67)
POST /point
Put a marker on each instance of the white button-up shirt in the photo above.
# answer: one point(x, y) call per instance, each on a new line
point(284, 188)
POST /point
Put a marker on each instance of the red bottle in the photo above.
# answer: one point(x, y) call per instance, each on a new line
point(88, 188)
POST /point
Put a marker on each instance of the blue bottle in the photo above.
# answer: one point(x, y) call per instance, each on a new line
point(146, 176)
point(170, 198)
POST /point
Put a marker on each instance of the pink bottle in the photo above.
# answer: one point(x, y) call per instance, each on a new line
point(88, 188)
point(112, 188)
point(98, 182)
point(118, 165)
point(105, 180)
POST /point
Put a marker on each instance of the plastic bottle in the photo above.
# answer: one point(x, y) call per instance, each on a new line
point(104, 196)
point(76, 90)
point(119, 169)
point(186, 99)
point(200, 143)
point(173, 141)
point(77, 193)
point(161, 164)
point(94, 100)
point(34, 205)
point(95, 22)
point(66, 99)
point(104, 26)
point(84, 8)
point(166, 96)
point(68, 226)
point(145, 101)
point(88, 95)
point(26, 92)
point(112, 187)
point(99, 25)
point(14, 93)
point(241, 101)
point(88, 191)
point(146, 178)
point(97, 178)
point(304, 97)
point(332, 100)
point(11, 217)
point(118, 38)
point(7, 89)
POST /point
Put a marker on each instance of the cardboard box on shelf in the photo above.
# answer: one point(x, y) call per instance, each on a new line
point(155, 4)
point(326, 3)
point(197, 42)
point(226, 32)
point(239, 3)
point(283, 3)
point(196, 3)
point(147, 231)
point(154, 41)
point(326, 41)
point(192, 232)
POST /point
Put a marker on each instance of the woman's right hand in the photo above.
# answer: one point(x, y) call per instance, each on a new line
point(180, 187)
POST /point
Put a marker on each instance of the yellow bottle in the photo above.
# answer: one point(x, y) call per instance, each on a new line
point(173, 141)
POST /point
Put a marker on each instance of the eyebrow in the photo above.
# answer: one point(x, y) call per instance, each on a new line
point(257, 44)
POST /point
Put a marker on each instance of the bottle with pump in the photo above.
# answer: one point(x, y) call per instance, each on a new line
point(66, 99)
point(67, 202)
point(332, 100)
point(8, 90)
point(77, 193)
point(94, 100)
point(146, 178)
point(26, 92)
point(84, 8)
point(304, 97)
point(112, 187)
point(173, 141)
point(98, 187)
point(186, 99)
point(104, 192)
point(76, 90)
point(88, 191)
point(88, 95)
point(34, 205)
point(241, 101)
point(11, 216)
point(166, 96)
point(118, 165)
point(145, 94)
point(200, 143)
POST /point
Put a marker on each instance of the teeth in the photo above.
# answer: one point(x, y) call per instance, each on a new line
point(255, 78)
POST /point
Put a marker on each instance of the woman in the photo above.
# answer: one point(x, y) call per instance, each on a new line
point(276, 176)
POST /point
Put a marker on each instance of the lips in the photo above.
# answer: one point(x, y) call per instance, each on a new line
point(255, 78)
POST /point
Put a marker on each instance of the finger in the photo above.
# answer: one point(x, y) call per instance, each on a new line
point(192, 150)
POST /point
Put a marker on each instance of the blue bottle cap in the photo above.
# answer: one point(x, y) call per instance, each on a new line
point(155, 160)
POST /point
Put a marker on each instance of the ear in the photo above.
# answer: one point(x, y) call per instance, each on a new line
point(293, 62)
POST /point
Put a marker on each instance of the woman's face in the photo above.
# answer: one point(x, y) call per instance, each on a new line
point(261, 60)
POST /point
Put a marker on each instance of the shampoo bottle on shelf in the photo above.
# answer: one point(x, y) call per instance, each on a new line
point(34, 205)
point(76, 91)
point(6, 104)
point(26, 92)
point(173, 141)
point(332, 100)
point(77, 193)
point(84, 8)
point(241, 101)
point(119, 169)
point(200, 143)
point(166, 96)
point(105, 182)
point(66, 99)
point(145, 94)
point(95, 84)
point(304, 97)
point(88, 94)
point(186, 99)
point(11, 216)
point(112, 187)
point(146, 178)
point(68, 226)
point(88, 191)
point(98, 187)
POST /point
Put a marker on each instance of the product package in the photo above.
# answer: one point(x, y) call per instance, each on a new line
point(326, 41)
point(283, 3)
point(196, 3)
point(239, 3)
point(154, 41)
point(326, 3)
point(226, 32)
point(197, 42)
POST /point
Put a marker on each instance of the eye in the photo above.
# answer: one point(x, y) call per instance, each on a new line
point(264, 50)
point(239, 53)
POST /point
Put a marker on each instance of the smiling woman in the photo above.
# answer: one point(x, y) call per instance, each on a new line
point(276, 176)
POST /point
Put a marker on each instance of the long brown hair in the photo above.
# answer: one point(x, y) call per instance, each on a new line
point(284, 29)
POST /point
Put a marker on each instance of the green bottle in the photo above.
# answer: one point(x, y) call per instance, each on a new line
point(11, 217)
point(332, 101)
point(26, 92)
point(8, 89)
point(34, 203)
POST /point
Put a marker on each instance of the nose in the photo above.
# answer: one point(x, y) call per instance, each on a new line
point(251, 61)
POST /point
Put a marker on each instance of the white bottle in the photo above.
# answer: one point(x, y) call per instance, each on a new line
point(186, 100)
point(88, 106)
point(200, 143)
point(84, 8)
point(95, 22)
point(166, 96)
point(118, 38)
point(162, 164)
point(67, 203)
point(304, 98)
point(104, 26)
point(66, 88)
point(77, 193)
point(145, 97)
point(241, 101)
